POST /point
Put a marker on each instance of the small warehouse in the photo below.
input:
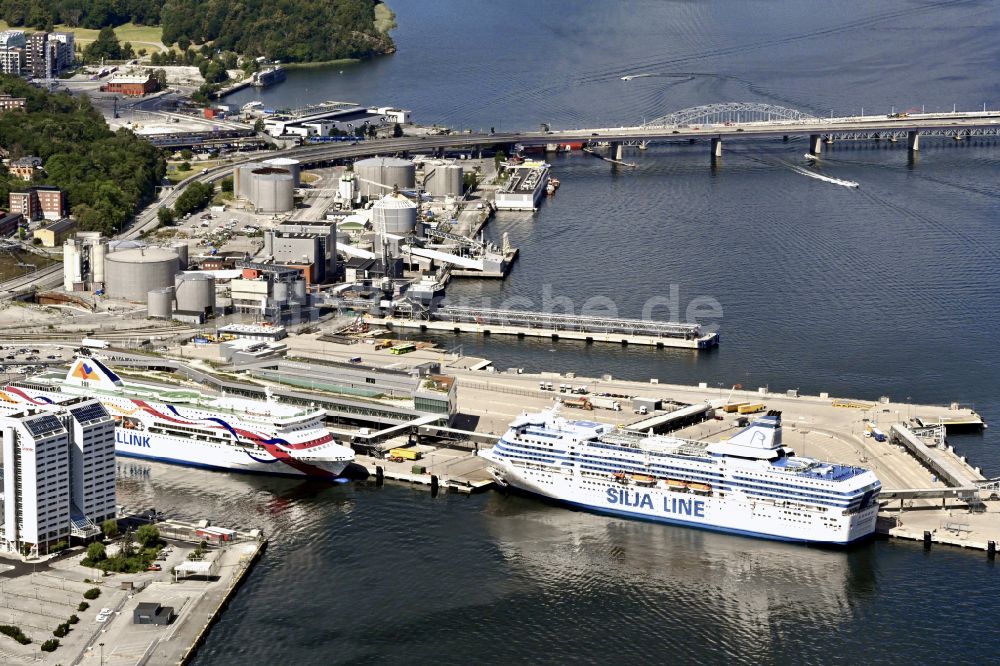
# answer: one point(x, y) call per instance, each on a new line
point(153, 613)
point(55, 233)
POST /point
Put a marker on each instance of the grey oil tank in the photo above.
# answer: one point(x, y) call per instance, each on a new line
point(195, 292)
point(181, 248)
point(132, 274)
point(160, 303)
point(280, 292)
point(443, 179)
point(394, 214)
point(273, 190)
point(243, 179)
point(288, 164)
point(299, 291)
point(388, 172)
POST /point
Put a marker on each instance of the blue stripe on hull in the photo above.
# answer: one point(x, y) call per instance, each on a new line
point(219, 468)
point(685, 523)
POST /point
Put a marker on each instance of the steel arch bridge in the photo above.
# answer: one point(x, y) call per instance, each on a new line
point(729, 112)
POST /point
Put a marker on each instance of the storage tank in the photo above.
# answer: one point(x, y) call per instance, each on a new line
point(299, 291)
point(387, 171)
point(243, 179)
point(160, 303)
point(346, 186)
point(98, 252)
point(181, 248)
point(272, 190)
point(132, 274)
point(443, 179)
point(280, 292)
point(195, 292)
point(72, 265)
point(394, 214)
point(288, 164)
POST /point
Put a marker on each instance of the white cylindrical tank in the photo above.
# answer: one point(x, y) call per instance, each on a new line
point(132, 274)
point(273, 190)
point(280, 293)
point(243, 179)
point(299, 291)
point(388, 172)
point(72, 265)
point(346, 187)
point(181, 248)
point(394, 214)
point(288, 164)
point(454, 180)
point(98, 253)
point(160, 303)
point(195, 292)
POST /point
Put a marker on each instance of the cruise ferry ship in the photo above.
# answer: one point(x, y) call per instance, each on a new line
point(749, 484)
point(186, 427)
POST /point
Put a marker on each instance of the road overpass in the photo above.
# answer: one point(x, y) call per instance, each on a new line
point(712, 123)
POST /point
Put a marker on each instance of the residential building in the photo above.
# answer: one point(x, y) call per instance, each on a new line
point(59, 472)
point(132, 85)
point(54, 233)
point(36, 485)
point(12, 61)
point(8, 103)
point(43, 201)
point(13, 39)
point(25, 168)
point(65, 54)
point(48, 54)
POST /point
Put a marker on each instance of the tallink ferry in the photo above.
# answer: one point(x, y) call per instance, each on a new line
point(186, 427)
point(749, 484)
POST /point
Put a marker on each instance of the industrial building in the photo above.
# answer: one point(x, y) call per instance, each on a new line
point(309, 244)
point(524, 187)
point(131, 274)
point(59, 472)
point(9, 223)
point(83, 262)
point(54, 233)
point(147, 612)
point(378, 176)
point(329, 119)
point(277, 294)
point(131, 85)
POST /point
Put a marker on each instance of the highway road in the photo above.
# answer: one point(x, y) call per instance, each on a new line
point(313, 155)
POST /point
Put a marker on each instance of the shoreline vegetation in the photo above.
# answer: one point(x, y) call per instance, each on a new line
point(294, 31)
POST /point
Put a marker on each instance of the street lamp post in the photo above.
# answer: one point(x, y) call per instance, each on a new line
point(102, 653)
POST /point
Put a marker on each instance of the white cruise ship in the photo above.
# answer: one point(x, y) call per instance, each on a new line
point(185, 427)
point(749, 484)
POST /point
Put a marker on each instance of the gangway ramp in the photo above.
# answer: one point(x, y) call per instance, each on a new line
point(950, 469)
point(659, 423)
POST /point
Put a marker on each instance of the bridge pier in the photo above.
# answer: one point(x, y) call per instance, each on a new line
point(913, 140)
point(616, 151)
point(815, 144)
point(717, 147)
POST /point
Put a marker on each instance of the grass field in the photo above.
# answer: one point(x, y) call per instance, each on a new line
point(140, 36)
point(10, 270)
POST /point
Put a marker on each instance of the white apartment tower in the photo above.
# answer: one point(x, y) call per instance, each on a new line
point(36, 487)
point(58, 472)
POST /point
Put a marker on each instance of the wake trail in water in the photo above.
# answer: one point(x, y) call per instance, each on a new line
point(826, 179)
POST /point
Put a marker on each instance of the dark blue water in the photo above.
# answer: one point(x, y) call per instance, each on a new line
point(888, 289)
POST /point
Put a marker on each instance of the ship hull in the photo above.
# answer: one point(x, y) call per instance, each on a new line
point(742, 516)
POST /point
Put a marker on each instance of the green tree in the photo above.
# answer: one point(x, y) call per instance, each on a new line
point(397, 131)
point(166, 215)
point(50, 645)
point(110, 528)
point(227, 185)
point(258, 125)
point(105, 47)
point(96, 552)
point(148, 536)
point(186, 154)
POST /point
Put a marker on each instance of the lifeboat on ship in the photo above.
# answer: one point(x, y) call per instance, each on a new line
point(677, 484)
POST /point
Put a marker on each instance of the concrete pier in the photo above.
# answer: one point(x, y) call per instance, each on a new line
point(716, 147)
point(616, 151)
point(815, 144)
point(913, 140)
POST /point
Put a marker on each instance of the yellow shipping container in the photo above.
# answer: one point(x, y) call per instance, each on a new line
point(408, 454)
point(729, 409)
point(751, 409)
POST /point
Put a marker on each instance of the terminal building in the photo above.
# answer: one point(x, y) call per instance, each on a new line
point(58, 473)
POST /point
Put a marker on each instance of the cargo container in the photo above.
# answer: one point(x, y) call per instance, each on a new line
point(874, 433)
point(732, 407)
point(405, 454)
point(605, 403)
point(751, 409)
point(418, 469)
